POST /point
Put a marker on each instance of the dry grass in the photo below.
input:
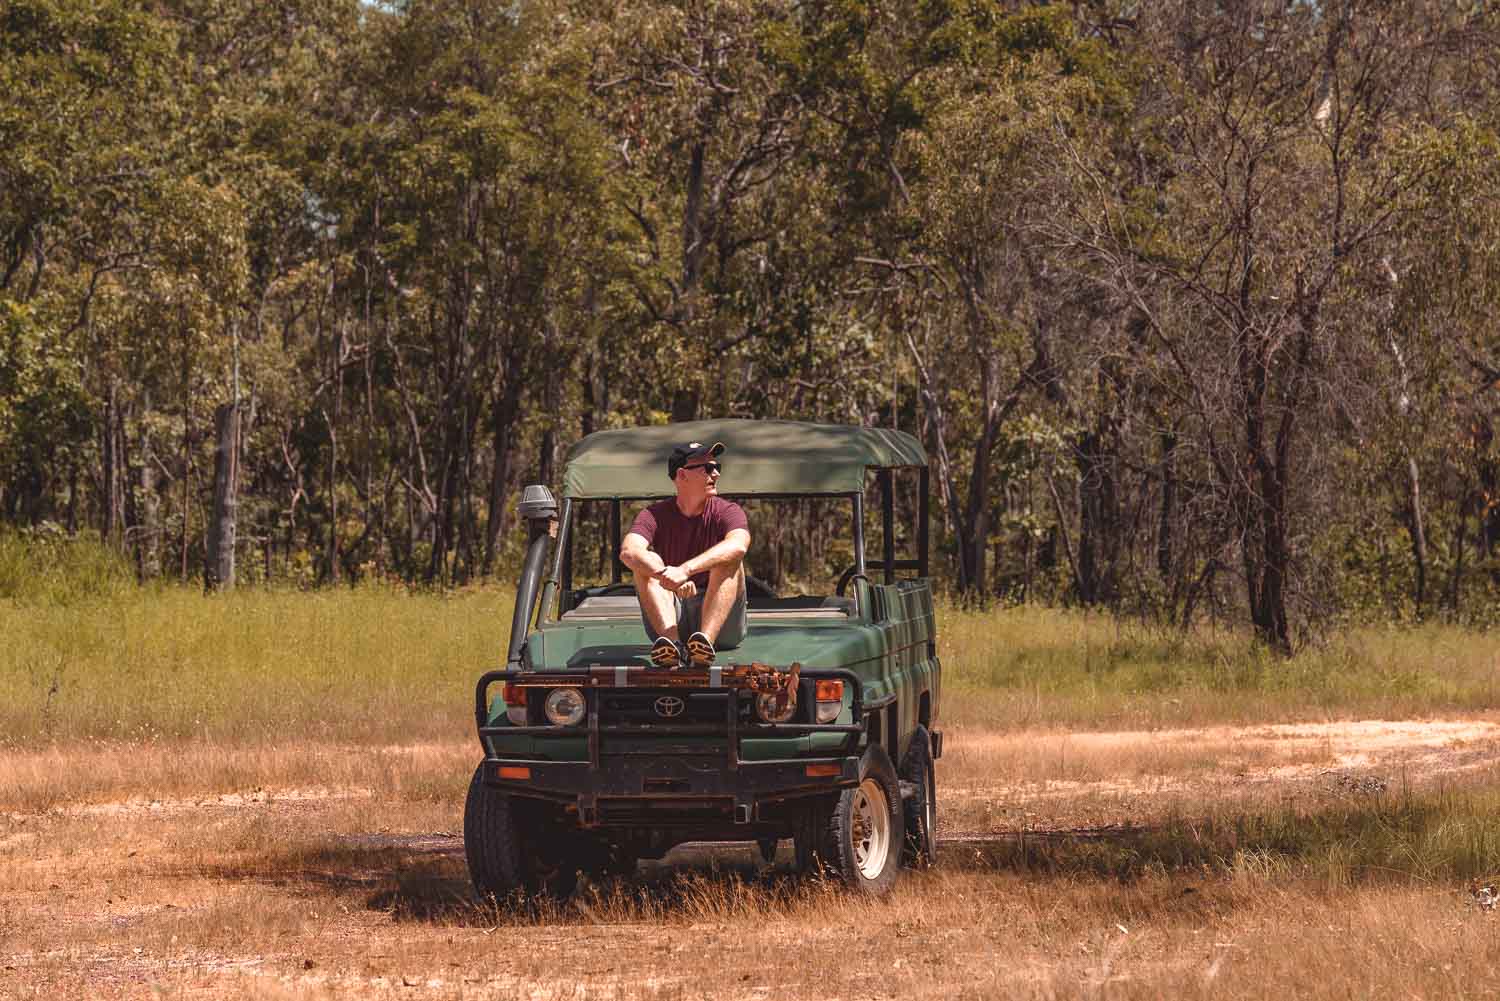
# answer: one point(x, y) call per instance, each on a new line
point(1090, 778)
point(296, 922)
point(179, 776)
point(259, 796)
point(1283, 882)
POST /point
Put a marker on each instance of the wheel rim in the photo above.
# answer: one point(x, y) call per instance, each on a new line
point(871, 829)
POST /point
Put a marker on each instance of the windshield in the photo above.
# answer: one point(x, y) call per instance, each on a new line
point(798, 545)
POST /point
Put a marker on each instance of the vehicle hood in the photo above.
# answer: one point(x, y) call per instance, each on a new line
point(559, 646)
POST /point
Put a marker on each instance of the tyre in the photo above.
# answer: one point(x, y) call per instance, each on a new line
point(857, 836)
point(920, 808)
point(810, 840)
point(510, 846)
point(492, 840)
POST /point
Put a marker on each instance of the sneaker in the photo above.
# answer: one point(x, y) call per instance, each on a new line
point(700, 650)
point(666, 654)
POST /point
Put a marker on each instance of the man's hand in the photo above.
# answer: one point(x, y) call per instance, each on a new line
point(677, 581)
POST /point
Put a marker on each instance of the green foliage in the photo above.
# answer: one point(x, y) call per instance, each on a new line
point(42, 403)
point(1113, 269)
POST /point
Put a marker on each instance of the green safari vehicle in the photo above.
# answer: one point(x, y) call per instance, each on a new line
point(819, 727)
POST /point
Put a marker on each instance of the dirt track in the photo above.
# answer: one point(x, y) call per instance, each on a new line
point(312, 891)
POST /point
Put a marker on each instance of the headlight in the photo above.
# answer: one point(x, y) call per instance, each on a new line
point(564, 706)
point(776, 707)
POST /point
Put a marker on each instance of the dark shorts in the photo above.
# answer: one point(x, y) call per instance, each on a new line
point(690, 620)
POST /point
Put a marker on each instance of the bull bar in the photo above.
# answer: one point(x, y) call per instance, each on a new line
point(637, 778)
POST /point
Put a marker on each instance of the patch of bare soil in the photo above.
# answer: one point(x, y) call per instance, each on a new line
point(360, 890)
point(1089, 779)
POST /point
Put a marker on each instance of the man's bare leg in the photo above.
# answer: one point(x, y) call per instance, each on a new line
point(724, 585)
point(659, 604)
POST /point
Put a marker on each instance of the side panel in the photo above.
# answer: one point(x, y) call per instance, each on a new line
point(905, 617)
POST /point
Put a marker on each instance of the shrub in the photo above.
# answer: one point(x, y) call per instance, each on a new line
point(45, 566)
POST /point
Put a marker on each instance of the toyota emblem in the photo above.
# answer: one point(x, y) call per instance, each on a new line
point(669, 706)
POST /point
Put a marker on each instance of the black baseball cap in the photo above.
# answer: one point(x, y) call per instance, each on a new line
point(684, 454)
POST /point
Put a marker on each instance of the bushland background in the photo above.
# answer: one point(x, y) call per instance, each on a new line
point(1190, 304)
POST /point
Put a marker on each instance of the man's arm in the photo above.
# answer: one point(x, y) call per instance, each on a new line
point(732, 550)
point(635, 553)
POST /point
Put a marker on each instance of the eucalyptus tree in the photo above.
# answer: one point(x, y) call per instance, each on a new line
point(708, 141)
point(1278, 188)
point(471, 202)
point(88, 99)
point(943, 113)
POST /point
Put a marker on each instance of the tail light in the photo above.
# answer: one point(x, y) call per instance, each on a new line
point(514, 697)
point(829, 699)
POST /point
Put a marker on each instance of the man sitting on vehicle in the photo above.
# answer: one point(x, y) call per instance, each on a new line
point(687, 554)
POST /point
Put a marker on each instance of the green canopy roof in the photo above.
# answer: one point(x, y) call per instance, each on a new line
point(760, 457)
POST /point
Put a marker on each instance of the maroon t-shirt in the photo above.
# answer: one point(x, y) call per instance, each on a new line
point(676, 538)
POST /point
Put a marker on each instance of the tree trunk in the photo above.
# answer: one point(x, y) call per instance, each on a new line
point(974, 525)
point(1489, 482)
point(333, 555)
point(113, 515)
point(685, 405)
point(1418, 532)
point(72, 500)
point(465, 562)
point(1262, 487)
point(1269, 612)
point(1460, 531)
point(693, 238)
point(442, 517)
point(1098, 516)
point(1168, 506)
point(502, 434)
point(148, 543)
point(546, 465)
point(218, 569)
point(187, 487)
point(128, 505)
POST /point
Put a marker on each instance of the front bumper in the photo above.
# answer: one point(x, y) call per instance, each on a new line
point(660, 774)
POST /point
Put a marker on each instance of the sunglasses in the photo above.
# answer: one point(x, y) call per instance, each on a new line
point(707, 467)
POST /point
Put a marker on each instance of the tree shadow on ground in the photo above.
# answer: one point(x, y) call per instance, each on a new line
point(693, 881)
point(423, 878)
point(1366, 834)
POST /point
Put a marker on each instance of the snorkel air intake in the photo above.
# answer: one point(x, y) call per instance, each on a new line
point(539, 509)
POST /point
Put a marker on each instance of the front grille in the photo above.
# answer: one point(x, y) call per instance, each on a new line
point(644, 707)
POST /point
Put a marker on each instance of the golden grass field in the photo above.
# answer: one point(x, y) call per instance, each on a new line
point(260, 796)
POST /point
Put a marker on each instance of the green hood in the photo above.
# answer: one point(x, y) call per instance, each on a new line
point(577, 645)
